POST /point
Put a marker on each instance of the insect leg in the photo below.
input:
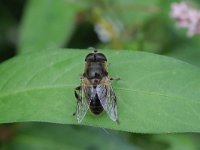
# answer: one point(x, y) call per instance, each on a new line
point(77, 89)
point(114, 79)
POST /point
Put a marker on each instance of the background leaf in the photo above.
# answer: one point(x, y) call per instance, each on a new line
point(179, 141)
point(188, 51)
point(131, 12)
point(156, 94)
point(139, 11)
point(47, 24)
point(42, 136)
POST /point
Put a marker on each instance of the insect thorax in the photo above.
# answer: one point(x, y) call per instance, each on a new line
point(95, 71)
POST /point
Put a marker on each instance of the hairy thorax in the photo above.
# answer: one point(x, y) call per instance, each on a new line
point(95, 71)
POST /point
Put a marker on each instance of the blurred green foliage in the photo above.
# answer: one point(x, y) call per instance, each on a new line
point(46, 25)
point(53, 136)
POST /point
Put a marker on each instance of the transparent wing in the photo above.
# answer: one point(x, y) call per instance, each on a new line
point(83, 102)
point(107, 98)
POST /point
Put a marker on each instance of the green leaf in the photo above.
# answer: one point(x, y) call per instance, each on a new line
point(156, 94)
point(179, 141)
point(42, 136)
point(188, 51)
point(47, 24)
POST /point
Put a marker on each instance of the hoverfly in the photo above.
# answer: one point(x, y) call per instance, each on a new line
point(95, 91)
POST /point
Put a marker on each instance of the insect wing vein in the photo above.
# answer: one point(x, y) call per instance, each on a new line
point(107, 98)
point(83, 103)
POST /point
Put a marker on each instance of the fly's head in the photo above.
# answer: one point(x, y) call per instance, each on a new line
point(95, 56)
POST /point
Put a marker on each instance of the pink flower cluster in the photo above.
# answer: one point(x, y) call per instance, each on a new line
point(186, 17)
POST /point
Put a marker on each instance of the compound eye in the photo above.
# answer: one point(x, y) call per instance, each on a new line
point(100, 57)
point(89, 57)
point(95, 57)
